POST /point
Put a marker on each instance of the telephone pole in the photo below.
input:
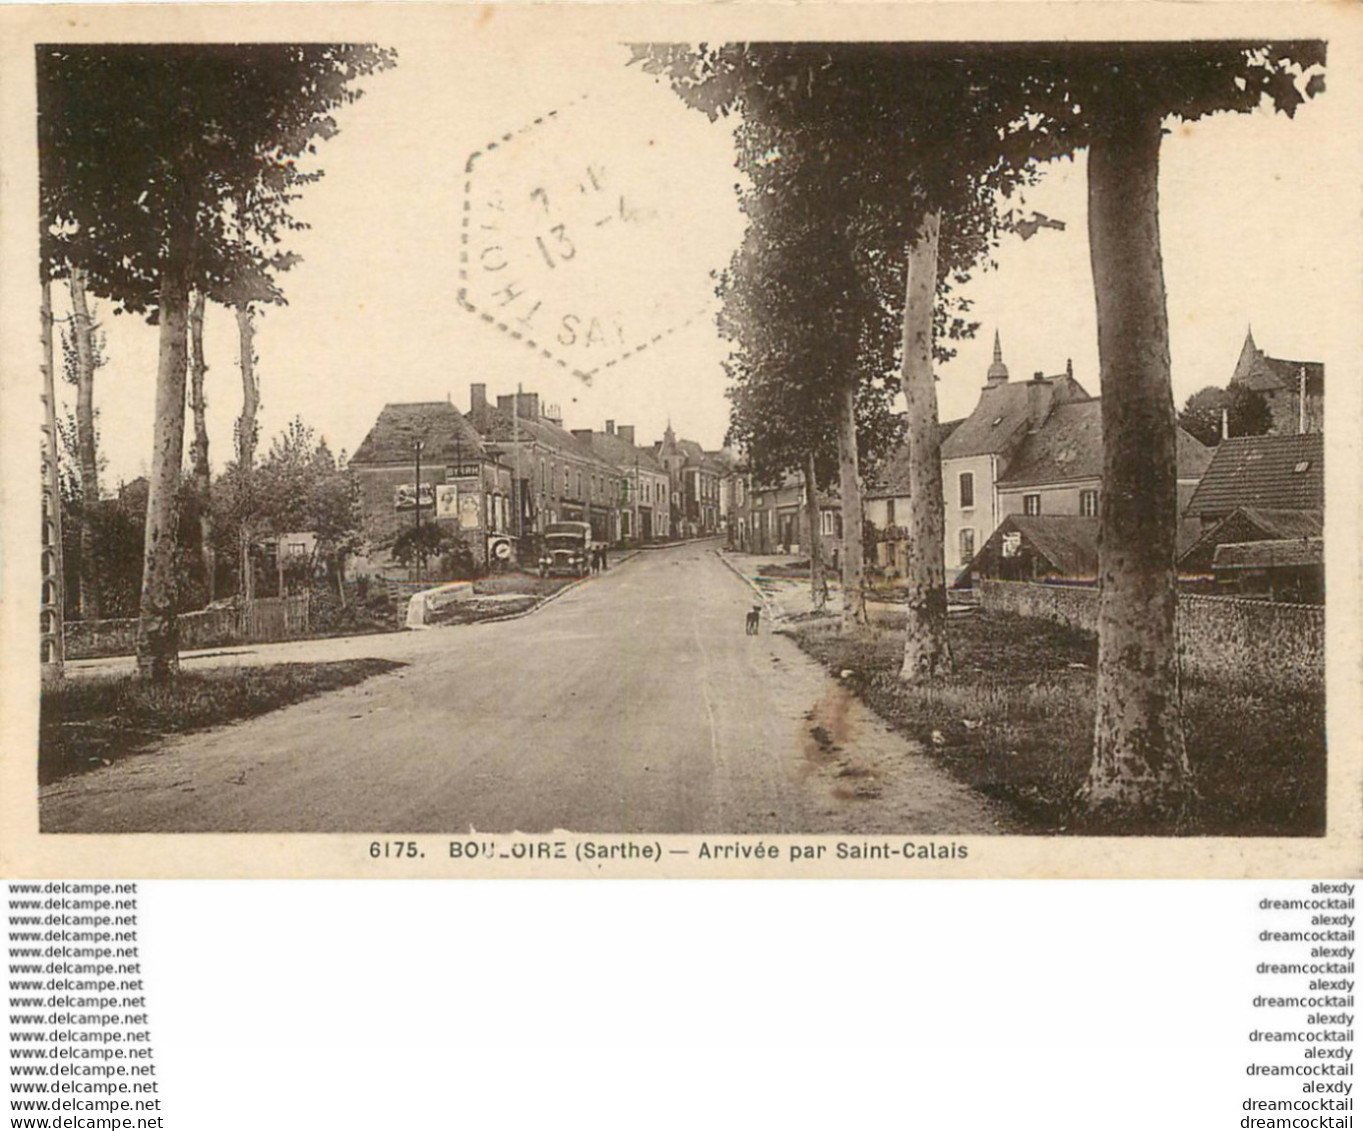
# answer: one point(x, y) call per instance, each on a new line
point(53, 601)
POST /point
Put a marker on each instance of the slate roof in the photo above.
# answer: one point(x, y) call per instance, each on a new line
point(996, 421)
point(444, 433)
point(615, 450)
point(1001, 414)
point(1269, 373)
point(1288, 552)
point(892, 481)
point(1261, 472)
point(1069, 446)
point(497, 426)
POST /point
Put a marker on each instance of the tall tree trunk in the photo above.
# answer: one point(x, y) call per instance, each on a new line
point(83, 332)
point(818, 580)
point(158, 652)
point(246, 439)
point(849, 486)
point(1140, 765)
point(926, 650)
point(198, 452)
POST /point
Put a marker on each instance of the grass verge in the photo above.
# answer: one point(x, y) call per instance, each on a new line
point(89, 722)
point(1015, 721)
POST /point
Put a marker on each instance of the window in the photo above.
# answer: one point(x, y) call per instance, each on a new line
point(565, 481)
point(827, 523)
point(1031, 504)
point(967, 544)
point(1088, 504)
point(889, 512)
point(967, 489)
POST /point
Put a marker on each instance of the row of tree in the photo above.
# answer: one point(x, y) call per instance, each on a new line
point(877, 175)
point(167, 178)
point(298, 485)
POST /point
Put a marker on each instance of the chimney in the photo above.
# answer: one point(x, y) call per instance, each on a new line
point(610, 428)
point(1225, 424)
point(528, 406)
point(1039, 396)
point(626, 433)
point(477, 400)
point(553, 414)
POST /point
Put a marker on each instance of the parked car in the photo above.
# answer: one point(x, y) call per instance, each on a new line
point(567, 549)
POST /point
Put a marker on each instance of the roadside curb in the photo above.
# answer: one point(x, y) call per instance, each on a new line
point(538, 605)
point(774, 613)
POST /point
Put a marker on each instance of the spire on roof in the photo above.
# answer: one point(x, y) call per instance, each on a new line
point(998, 372)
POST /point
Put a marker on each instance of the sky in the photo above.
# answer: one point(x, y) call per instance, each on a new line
point(374, 316)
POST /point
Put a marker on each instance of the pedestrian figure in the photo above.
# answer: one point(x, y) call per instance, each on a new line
point(605, 565)
point(596, 561)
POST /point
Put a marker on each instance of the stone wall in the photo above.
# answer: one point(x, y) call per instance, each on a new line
point(1254, 644)
point(1072, 605)
point(275, 619)
point(209, 628)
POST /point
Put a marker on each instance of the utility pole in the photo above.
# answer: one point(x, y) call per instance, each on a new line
point(420, 554)
point(53, 639)
point(516, 493)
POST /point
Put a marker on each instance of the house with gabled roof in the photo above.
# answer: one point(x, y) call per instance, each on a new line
point(1042, 547)
point(1263, 472)
point(426, 462)
point(696, 477)
point(645, 506)
point(560, 477)
point(981, 449)
point(1250, 524)
point(1058, 468)
point(1293, 390)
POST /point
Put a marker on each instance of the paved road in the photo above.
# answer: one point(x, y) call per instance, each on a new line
point(634, 703)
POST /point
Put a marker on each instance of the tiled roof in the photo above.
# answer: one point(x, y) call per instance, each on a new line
point(444, 434)
point(1068, 542)
point(1249, 524)
point(893, 480)
point(1266, 555)
point(1069, 446)
point(1285, 472)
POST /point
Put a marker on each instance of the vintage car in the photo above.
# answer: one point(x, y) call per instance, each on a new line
point(566, 550)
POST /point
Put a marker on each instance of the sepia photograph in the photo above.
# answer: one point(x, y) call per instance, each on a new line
point(893, 443)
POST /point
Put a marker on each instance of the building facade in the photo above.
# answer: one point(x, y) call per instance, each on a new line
point(424, 463)
point(558, 477)
point(645, 506)
point(1294, 391)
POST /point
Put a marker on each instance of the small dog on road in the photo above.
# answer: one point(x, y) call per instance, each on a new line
point(754, 619)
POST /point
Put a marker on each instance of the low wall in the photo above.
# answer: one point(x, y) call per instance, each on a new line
point(209, 628)
point(275, 619)
point(424, 605)
point(1256, 644)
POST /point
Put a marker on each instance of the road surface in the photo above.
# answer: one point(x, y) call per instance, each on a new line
point(634, 703)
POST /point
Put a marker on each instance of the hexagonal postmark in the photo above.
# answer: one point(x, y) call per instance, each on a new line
point(574, 239)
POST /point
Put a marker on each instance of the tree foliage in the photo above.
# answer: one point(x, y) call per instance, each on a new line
point(1247, 413)
point(137, 140)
